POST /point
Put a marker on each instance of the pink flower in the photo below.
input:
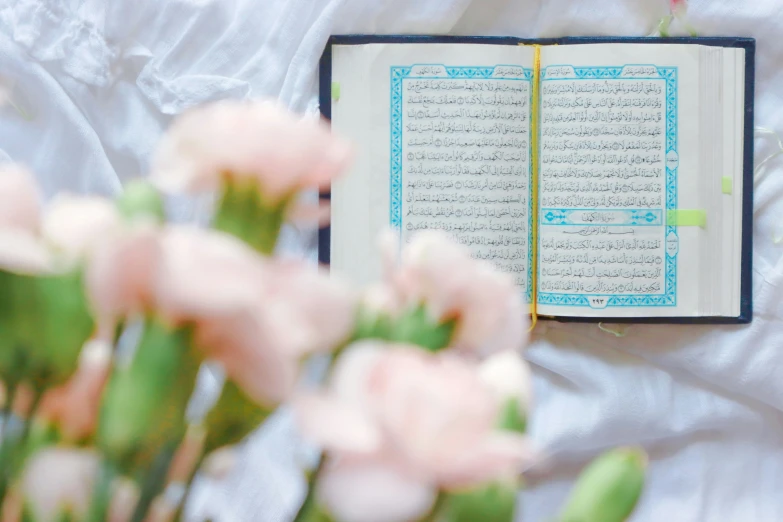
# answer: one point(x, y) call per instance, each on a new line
point(411, 420)
point(240, 140)
point(34, 243)
point(74, 406)
point(256, 317)
point(508, 376)
point(119, 277)
point(20, 201)
point(440, 274)
point(678, 7)
point(59, 480)
point(72, 225)
point(376, 489)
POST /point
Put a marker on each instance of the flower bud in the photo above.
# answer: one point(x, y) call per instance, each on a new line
point(152, 390)
point(46, 321)
point(140, 199)
point(608, 489)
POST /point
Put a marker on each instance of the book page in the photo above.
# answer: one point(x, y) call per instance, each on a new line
point(618, 152)
point(443, 137)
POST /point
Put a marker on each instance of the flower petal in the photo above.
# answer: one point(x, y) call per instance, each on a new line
point(22, 253)
point(508, 375)
point(59, 479)
point(500, 456)
point(320, 307)
point(260, 139)
point(74, 224)
point(365, 490)
point(119, 277)
point(335, 425)
point(20, 201)
point(248, 346)
point(204, 273)
point(352, 371)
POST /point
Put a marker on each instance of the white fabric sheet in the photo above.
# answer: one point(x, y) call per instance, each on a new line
point(99, 80)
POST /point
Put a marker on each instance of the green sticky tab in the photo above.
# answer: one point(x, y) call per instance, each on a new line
point(687, 218)
point(726, 184)
point(335, 91)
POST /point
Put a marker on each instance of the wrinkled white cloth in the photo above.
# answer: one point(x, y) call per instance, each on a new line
point(96, 82)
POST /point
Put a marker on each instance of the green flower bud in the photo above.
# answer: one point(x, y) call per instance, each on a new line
point(243, 213)
point(141, 199)
point(491, 503)
point(44, 322)
point(232, 418)
point(144, 403)
point(608, 489)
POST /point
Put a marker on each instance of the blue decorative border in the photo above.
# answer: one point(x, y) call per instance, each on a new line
point(400, 73)
point(669, 296)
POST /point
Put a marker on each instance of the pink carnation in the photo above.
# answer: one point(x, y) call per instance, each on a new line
point(34, 242)
point(241, 140)
point(440, 274)
point(410, 420)
point(255, 316)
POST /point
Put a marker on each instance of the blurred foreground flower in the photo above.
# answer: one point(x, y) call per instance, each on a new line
point(399, 425)
point(258, 155)
point(254, 316)
point(423, 415)
point(58, 485)
point(437, 289)
point(44, 314)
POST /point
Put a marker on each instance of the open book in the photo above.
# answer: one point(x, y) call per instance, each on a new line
point(611, 176)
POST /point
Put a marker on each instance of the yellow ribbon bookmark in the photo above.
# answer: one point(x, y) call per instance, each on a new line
point(534, 109)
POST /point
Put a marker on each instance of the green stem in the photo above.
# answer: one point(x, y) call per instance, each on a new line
point(28, 422)
point(13, 451)
point(101, 495)
point(6, 442)
point(306, 509)
point(155, 481)
point(435, 513)
point(188, 489)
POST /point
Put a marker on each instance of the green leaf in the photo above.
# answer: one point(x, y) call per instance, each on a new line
point(243, 213)
point(371, 324)
point(98, 509)
point(416, 327)
point(144, 403)
point(141, 199)
point(608, 489)
point(491, 503)
point(233, 417)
